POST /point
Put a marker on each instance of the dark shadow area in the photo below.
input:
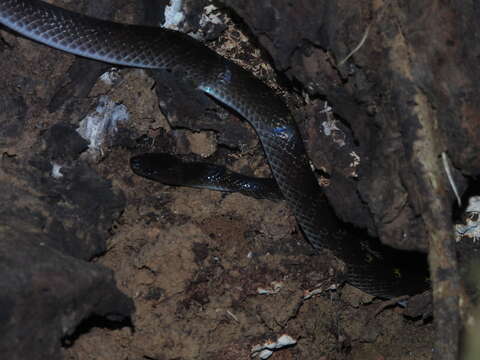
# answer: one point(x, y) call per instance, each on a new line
point(96, 321)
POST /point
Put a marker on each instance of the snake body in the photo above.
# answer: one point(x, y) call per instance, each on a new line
point(172, 170)
point(370, 266)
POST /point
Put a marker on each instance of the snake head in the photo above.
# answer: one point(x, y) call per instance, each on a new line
point(160, 167)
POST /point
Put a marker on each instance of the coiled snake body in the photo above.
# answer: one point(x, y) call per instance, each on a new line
point(370, 266)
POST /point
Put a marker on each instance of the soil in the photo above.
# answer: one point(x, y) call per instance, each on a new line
point(194, 260)
point(195, 263)
point(212, 275)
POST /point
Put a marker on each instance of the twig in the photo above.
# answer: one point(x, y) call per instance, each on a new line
point(376, 17)
point(446, 166)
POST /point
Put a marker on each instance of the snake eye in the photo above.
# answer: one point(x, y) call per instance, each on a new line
point(140, 165)
point(136, 163)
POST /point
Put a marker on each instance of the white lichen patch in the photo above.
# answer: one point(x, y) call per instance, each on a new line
point(330, 127)
point(471, 227)
point(174, 18)
point(355, 163)
point(265, 350)
point(111, 76)
point(174, 15)
point(356, 159)
point(276, 286)
point(102, 124)
point(56, 170)
point(211, 15)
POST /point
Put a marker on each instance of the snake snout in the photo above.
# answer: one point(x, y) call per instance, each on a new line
point(158, 166)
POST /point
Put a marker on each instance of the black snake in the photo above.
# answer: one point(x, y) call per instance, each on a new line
point(371, 267)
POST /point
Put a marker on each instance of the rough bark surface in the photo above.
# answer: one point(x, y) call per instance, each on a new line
point(408, 93)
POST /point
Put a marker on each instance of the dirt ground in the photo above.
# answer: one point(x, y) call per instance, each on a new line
point(213, 274)
point(194, 262)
